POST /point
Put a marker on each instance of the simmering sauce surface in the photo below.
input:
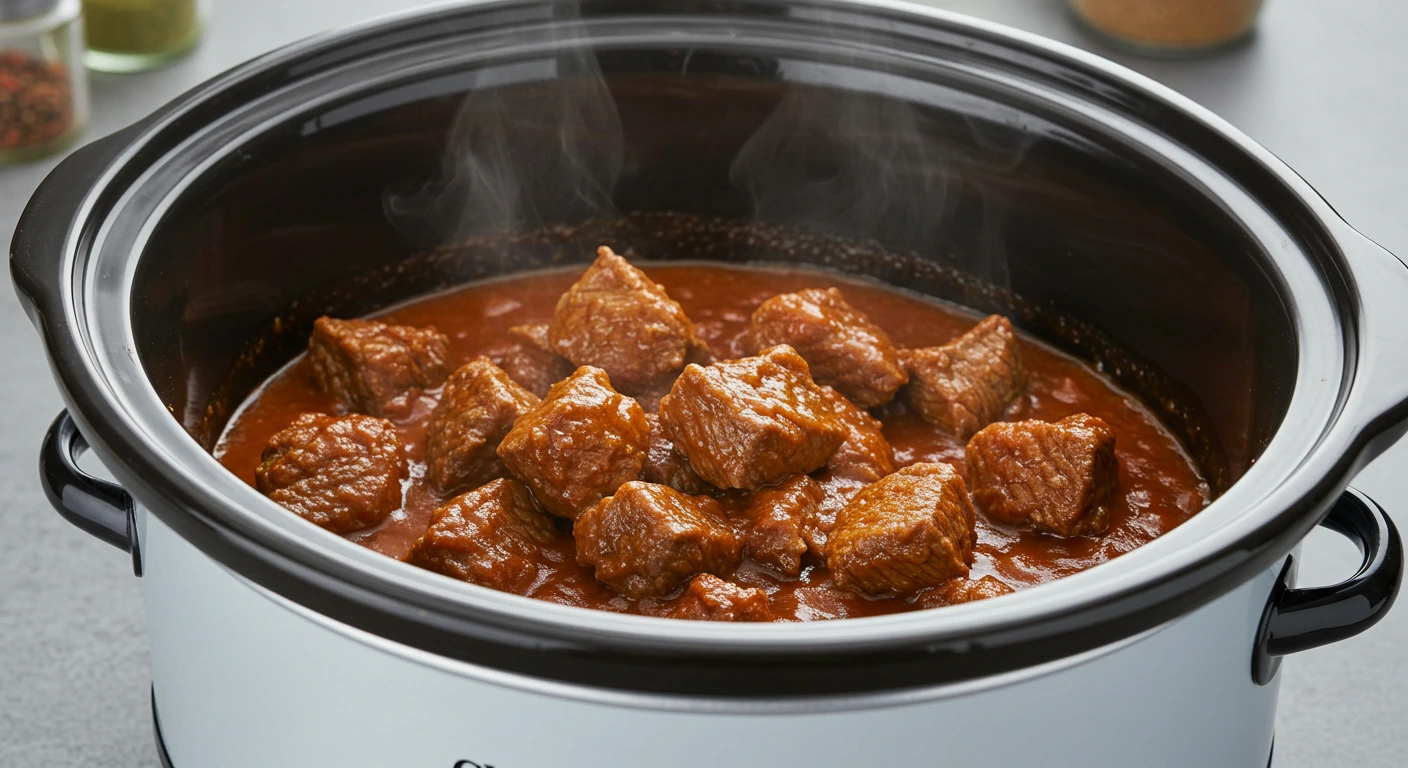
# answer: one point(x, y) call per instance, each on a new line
point(1159, 485)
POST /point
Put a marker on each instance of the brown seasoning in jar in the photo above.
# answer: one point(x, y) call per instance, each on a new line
point(1170, 23)
point(36, 101)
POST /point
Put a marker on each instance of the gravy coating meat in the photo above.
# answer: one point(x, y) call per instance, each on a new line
point(750, 422)
point(478, 406)
point(646, 539)
point(492, 535)
point(374, 368)
point(577, 446)
point(1056, 477)
point(633, 440)
point(844, 349)
point(968, 383)
point(342, 473)
point(619, 320)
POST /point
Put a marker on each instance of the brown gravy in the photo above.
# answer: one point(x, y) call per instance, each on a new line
point(1159, 485)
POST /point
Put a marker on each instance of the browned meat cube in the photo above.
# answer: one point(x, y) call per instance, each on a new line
point(645, 540)
point(836, 492)
point(969, 382)
point(374, 368)
point(964, 590)
point(665, 466)
point(911, 530)
point(477, 408)
point(579, 444)
point(1056, 477)
point(621, 321)
point(710, 598)
point(491, 536)
point(342, 473)
point(530, 361)
point(750, 422)
point(779, 519)
point(866, 454)
point(844, 349)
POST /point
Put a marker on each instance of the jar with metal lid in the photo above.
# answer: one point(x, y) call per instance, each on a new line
point(1168, 27)
point(136, 35)
point(43, 88)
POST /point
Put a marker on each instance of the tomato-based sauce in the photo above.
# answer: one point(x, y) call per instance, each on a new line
point(1159, 486)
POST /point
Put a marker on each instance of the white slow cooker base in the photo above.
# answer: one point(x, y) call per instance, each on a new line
point(242, 678)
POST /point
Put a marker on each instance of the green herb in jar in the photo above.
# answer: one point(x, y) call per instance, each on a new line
point(36, 101)
point(140, 26)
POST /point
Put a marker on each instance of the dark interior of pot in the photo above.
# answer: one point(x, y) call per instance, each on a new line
point(967, 196)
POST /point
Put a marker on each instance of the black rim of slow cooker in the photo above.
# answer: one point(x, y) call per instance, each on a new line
point(327, 587)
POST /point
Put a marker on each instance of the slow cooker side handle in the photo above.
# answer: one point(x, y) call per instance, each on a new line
point(1298, 619)
point(96, 506)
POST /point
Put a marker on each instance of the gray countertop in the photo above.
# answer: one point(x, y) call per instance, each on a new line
point(1321, 85)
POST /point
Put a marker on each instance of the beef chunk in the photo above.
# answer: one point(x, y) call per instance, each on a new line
point(779, 519)
point(1056, 477)
point(491, 536)
point(619, 320)
point(477, 408)
point(969, 382)
point(646, 539)
point(579, 444)
point(750, 422)
point(866, 454)
point(530, 361)
point(964, 590)
point(836, 492)
point(710, 598)
point(844, 349)
point(373, 367)
point(665, 466)
point(911, 530)
point(342, 473)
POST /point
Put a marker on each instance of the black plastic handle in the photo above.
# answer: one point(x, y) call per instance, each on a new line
point(100, 508)
point(1300, 619)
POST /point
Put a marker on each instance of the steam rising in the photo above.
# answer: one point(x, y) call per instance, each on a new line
point(521, 160)
point(845, 161)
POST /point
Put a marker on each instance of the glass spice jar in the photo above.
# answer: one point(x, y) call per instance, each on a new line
point(1168, 27)
point(43, 88)
point(137, 35)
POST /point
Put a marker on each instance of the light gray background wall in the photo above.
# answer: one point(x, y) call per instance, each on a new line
point(1322, 85)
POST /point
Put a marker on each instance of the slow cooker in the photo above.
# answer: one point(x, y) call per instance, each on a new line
point(173, 266)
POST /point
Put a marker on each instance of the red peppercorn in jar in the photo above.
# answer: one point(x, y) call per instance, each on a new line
point(43, 91)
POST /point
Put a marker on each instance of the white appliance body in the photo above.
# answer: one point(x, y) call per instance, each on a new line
point(244, 678)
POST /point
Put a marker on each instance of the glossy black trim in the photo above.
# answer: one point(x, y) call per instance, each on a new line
point(161, 753)
point(1300, 618)
point(99, 508)
point(57, 228)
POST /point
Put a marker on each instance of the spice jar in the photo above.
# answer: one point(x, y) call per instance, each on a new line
point(43, 90)
point(1168, 27)
point(136, 35)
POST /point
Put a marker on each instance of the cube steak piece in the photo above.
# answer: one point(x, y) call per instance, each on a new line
point(530, 361)
point(342, 473)
point(491, 536)
point(779, 519)
point(1056, 477)
point(751, 422)
point(710, 598)
point(665, 466)
point(647, 539)
point(911, 530)
point(579, 444)
point(968, 383)
point(375, 368)
point(618, 319)
point(865, 455)
point(843, 347)
point(477, 408)
point(964, 590)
